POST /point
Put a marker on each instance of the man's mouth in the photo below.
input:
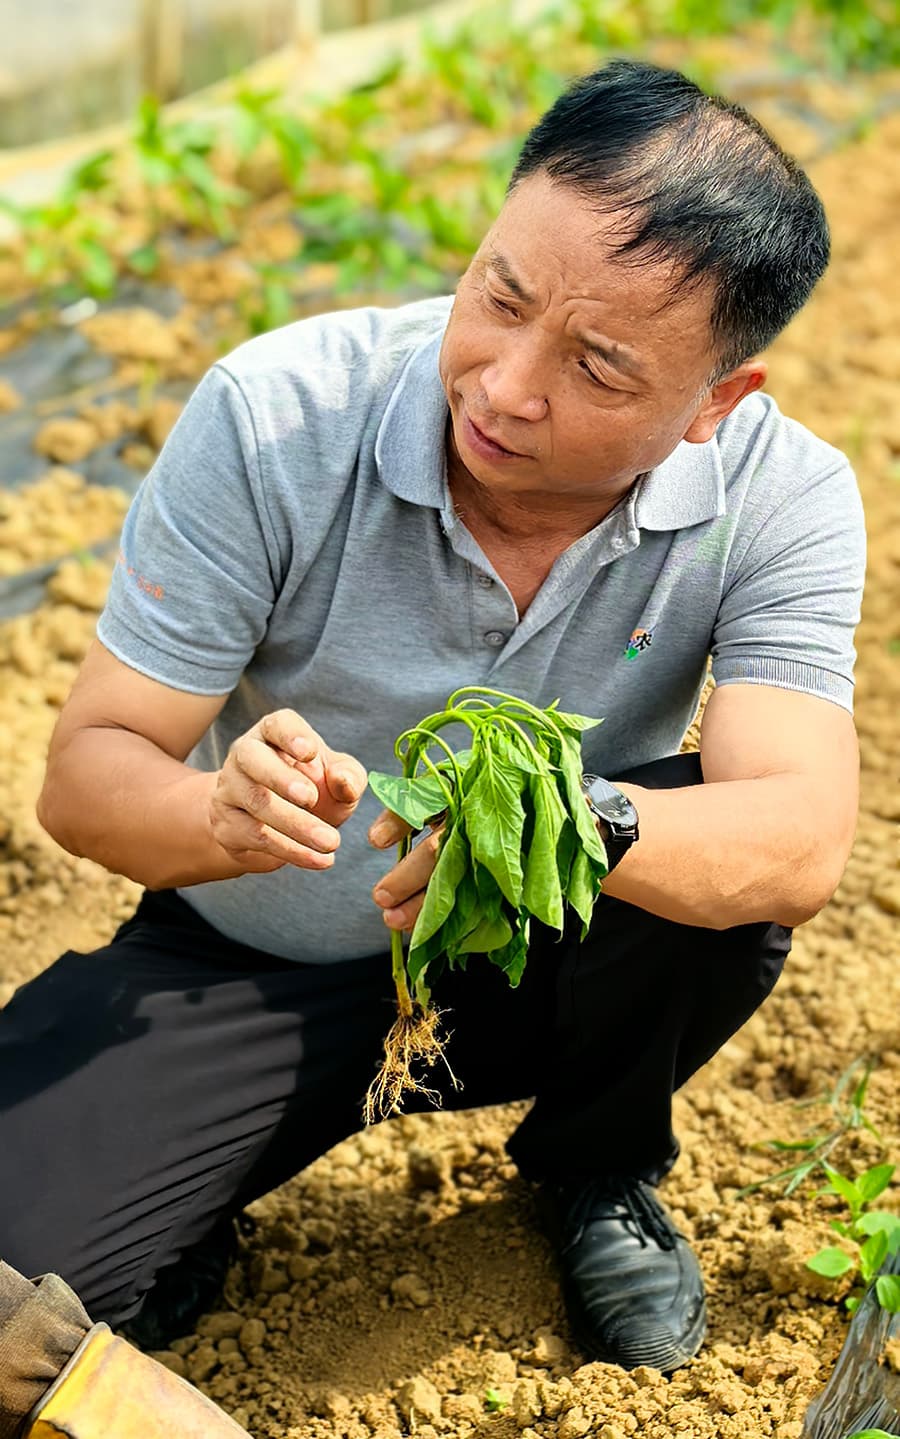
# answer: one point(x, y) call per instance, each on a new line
point(487, 440)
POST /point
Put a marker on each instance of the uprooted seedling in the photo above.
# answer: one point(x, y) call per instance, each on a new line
point(517, 842)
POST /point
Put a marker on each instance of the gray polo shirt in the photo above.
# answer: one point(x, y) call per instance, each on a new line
point(295, 545)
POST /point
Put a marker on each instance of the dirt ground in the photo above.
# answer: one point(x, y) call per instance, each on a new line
point(390, 1287)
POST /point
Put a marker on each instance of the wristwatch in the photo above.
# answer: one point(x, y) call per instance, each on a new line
point(616, 816)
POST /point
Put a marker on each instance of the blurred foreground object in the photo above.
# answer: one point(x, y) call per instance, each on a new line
point(62, 1378)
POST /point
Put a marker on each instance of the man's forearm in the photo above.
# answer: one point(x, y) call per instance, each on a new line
point(719, 855)
point(114, 797)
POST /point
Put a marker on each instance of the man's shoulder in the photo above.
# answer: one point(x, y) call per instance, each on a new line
point(761, 448)
point(325, 350)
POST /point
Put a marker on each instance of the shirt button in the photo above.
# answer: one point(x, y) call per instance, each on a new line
point(485, 581)
point(495, 638)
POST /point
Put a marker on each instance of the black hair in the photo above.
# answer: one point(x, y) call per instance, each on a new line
point(700, 184)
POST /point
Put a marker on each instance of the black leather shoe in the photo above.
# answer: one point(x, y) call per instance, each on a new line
point(631, 1282)
point(184, 1291)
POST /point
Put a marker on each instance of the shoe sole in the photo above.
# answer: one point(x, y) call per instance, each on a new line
point(665, 1358)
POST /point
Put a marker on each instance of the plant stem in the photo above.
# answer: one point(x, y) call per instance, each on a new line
point(398, 961)
point(398, 965)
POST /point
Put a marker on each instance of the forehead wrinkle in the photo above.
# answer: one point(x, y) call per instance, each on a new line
point(610, 350)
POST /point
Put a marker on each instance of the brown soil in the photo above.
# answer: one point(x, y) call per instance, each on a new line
point(389, 1287)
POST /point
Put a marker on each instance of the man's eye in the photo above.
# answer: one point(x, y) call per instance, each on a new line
point(592, 375)
point(501, 305)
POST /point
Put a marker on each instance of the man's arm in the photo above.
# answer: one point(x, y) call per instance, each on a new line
point(768, 834)
point(117, 789)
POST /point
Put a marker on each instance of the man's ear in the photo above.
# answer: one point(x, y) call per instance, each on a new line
point(723, 397)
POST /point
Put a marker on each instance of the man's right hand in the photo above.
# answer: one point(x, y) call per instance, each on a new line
point(282, 795)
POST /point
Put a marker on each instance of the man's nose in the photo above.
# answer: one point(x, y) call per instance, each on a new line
point(513, 384)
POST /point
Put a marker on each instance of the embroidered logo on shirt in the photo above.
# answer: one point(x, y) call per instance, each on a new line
point(640, 640)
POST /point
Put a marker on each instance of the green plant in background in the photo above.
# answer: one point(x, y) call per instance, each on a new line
point(174, 161)
point(848, 1113)
point(259, 117)
point(65, 239)
point(874, 1234)
point(494, 1401)
point(269, 303)
point(390, 226)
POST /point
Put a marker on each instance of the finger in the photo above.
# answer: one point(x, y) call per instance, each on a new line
point(248, 834)
point(287, 819)
point(388, 829)
point(411, 874)
point(262, 765)
point(285, 729)
point(404, 916)
point(345, 777)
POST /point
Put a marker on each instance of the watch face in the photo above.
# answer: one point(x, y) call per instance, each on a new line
point(612, 803)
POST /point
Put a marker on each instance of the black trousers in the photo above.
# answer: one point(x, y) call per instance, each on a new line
point(173, 1076)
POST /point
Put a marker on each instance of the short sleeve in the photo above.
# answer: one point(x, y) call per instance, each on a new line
point(792, 600)
point(196, 577)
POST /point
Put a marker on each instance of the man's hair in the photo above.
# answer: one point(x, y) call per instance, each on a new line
point(701, 185)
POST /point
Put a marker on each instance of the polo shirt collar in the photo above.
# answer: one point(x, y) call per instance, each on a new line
point(688, 488)
point(409, 445)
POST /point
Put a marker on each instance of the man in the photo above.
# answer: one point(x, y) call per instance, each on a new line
point(564, 486)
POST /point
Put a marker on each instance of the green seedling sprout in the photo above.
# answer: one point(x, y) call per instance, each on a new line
point(494, 1401)
point(517, 842)
point(873, 1233)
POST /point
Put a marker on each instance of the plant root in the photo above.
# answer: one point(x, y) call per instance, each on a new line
point(413, 1041)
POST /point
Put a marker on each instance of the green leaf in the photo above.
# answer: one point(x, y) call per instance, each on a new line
point(571, 773)
point(887, 1290)
point(879, 1220)
point(427, 956)
point(796, 1177)
point(780, 1144)
point(513, 752)
point(874, 1181)
point(565, 854)
point(573, 722)
point(872, 1254)
point(489, 895)
point(581, 892)
point(415, 800)
point(495, 820)
point(491, 932)
point(144, 260)
point(440, 895)
point(838, 1184)
point(832, 1263)
point(98, 268)
point(511, 958)
point(464, 917)
point(542, 892)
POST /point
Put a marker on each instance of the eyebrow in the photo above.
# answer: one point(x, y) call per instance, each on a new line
point(614, 354)
point(503, 268)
